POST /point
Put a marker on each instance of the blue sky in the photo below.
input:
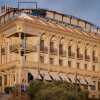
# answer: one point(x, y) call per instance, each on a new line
point(85, 9)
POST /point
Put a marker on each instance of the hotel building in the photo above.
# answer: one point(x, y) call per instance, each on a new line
point(47, 45)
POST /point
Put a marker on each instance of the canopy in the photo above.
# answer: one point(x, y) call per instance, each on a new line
point(45, 75)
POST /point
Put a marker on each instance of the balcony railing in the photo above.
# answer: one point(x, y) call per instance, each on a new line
point(95, 59)
point(44, 49)
point(87, 58)
point(27, 47)
point(80, 56)
point(53, 51)
point(71, 55)
point(62, 53)
point(49, 67)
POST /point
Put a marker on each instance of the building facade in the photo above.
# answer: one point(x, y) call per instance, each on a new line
point(46, 45)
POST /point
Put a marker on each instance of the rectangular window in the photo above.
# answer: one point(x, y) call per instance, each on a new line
point(93, 67)
point(85, 86)
point(60, 48)
point(85, 53)
point(78, 65)
point(51, 60)
point(51, 47)
point(92, 87)
point(85, 66)
point(78, 52)
point(99, 86)
point(93, 55)
point(61, 62)
point(69, 51)
point(5, 79)
point(69, 64)
point(41, 59)
point(42, 45)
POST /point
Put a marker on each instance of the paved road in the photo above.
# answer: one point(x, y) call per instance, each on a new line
point(4, 97)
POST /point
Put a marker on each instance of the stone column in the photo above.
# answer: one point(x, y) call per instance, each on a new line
point(16, 76)
point(91, 61)
point(67, 54)
point(8, 78)
point(49, 53)
point(3, 84)
point(75, 60)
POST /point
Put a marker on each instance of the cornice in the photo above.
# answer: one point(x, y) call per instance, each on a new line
point(35, 24)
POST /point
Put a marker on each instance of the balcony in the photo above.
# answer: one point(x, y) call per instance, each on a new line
point(95, 59)
point(28, 48)
point(44, 50)
point(80, 57)
point(71, 55)
point(48, 67)
point(62, 53)
point(87, 58)
point(53, 51)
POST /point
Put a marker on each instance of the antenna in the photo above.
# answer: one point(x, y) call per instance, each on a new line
point(27, 2)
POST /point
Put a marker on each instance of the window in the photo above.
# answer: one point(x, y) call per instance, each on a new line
point(0, 81)
point(51, 60)
point(78, 52)
point(85, 53)
point(93, 67)
point(85, 66)
point(93, 55)
point(61, 62)
point(69, 64)
point(78, 65)
point(41, 45)
point(51, 46)
point(60, 48)
point(99, 86)
point(69, 50)
point(92, 87)
point(5, 79)
point(41, 59)
point(85, 86)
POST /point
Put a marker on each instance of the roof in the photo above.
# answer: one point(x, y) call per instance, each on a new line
point(46, 10)
point(52, 23)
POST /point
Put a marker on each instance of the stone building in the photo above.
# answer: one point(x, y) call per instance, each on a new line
point(47, 45)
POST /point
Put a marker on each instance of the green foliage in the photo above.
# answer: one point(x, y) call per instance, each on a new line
point(17, 89)
point(57, 90)
point(8, 90)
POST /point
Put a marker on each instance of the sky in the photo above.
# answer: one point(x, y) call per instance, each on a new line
point(84, 9)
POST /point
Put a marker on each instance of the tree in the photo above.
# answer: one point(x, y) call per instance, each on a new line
point(57, 90)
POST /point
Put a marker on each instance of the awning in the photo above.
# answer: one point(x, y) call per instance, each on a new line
point(45, 75)
point(81, 79)
point(89, 80)
point(35, 73)
point(55, 76)
point(64, 77)
point(72, 78)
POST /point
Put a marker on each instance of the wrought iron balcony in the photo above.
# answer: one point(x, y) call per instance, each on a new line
point(87, 58)
point(62, 53)
point(44, 49)
point(80, 56)
point(71, 55)
point(27, 47)
point(53, 51)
